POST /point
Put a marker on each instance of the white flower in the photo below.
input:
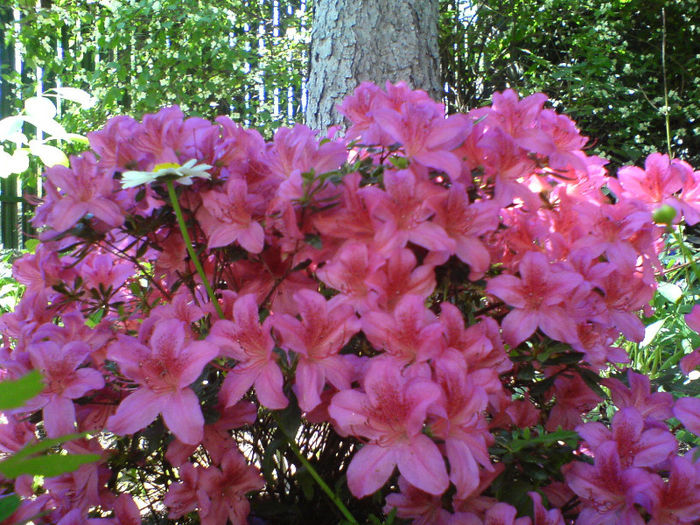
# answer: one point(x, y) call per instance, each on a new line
point(186, 172)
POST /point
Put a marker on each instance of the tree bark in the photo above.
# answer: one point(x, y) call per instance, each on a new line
point(378, 40)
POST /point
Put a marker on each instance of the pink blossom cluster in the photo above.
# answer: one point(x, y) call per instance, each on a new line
point(395, 282)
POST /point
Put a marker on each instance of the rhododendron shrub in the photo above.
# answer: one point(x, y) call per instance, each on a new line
point(418, 314)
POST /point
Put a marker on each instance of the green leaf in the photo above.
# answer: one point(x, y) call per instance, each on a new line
point(399, 162)
point(49, 466)
point(44, 445)
point(650, 332)
point(18, 162)
point(8, 505)
point(11, 128)
point(670, 291)
point(76, 95)
point(31, 244)
point(14, 394)
point(49, 155)
point(39, 107)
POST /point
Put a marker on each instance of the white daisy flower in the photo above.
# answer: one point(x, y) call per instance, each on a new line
point(185, 173)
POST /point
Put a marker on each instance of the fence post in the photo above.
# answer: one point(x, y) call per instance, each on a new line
point(9, 225)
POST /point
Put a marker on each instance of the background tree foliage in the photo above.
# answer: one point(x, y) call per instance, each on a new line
point(599, 61)
point(212, 57)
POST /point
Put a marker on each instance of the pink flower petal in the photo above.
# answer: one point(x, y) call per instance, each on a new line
point(183, 416)
point(369, 469)
point(136, 411)
point(421, 463)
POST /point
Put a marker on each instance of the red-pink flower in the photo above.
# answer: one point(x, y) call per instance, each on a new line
point(404, 214)
point(654, 185)
point(222, 491)
point(464, 223)
point(637, 446)
point(679, 498)
point(609, 492)
point(226, 217)
point(164, 372)
point(463, 426)
point(390, 414)
point(82, 189)
point(325, 327)
point(651, 405)
point(687, 410)
point(64, 382)
point(250, 343)
point(537, 298)
point(426, 137)
point(410, 333)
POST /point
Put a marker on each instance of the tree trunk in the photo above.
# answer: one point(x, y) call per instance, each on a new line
point(357, 40)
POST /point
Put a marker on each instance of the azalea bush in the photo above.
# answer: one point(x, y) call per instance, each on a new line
point(421, 319)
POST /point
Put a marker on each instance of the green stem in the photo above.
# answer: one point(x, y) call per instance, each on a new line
point(334, 498)
point(190, 249)
point(686, 252)
point(663, 67)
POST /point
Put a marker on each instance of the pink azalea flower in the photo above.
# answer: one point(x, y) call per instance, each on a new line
point(566, 139)
point(348, 271)
point(325, 327)
point(609, 492)
point(390, 414)
point(679, 501)
point(652, 406)
point(690, 362)
point(573, 399)
point(404, 214)
point(73, 193)
point(400, 275)
point(217, 436)
point(654, 185)
point(164, 372)
point(543, 516)
point(183, 497)
point(111, 143)
point(297, 150)
point(519, 119)
point(222, 491)
point(693, 318)
point(351, 219)
point(427, 138)
point(463, 427)
point(411, 333)
point(638, 447)
point(690, 196)
point(537, 298)
point(251, 344)
point(687, 410)
point(421, 507)
point(125, 513)
point(64, 382)
point(464, 223)
point(227, 217)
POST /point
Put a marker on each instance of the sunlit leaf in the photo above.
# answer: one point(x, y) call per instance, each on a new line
point(15, 393)
point(8, 505)
point(18, 162)
point(39, 107)
point(49, 155)
point(11, 128)
point(83, 98)
point(670, 291)
point(48, 126)
point(650, 332)
point(49, 466)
